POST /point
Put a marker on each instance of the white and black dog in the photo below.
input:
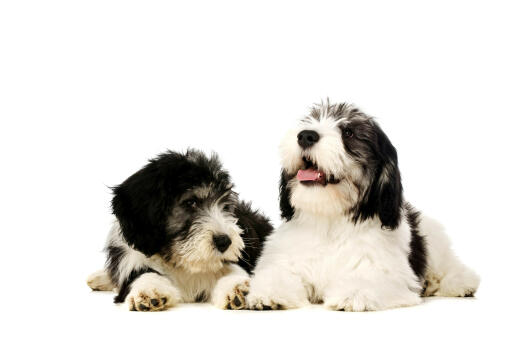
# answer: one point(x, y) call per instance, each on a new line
point(349, 238)
point(180, 235)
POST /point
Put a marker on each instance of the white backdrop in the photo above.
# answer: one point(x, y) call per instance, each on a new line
point(89, 90)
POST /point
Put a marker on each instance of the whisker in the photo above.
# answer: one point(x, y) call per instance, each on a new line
point(242, 259)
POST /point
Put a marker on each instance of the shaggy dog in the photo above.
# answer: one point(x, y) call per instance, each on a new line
point(349, 238)
point(180, 235)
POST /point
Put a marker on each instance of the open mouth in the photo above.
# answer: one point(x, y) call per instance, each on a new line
point(311, 174)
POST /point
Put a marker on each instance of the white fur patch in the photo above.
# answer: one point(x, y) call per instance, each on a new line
point(446, 275)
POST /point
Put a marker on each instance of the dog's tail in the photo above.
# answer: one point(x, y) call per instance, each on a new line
point(446, 275)
point(100, 280)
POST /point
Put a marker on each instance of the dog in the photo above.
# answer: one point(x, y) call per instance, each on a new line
point(349, 240)
point(180, 235)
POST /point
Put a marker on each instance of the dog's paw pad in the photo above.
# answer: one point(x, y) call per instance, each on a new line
point(148, 301)
point(236, 298)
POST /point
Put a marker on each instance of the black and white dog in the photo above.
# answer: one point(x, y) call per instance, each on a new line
point(349, 238)
point(180, 235)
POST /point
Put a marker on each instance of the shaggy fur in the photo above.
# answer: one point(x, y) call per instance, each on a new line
point(349, 238)
point(180, 235)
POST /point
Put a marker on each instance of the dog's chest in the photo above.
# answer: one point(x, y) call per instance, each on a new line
point(321, 250)
point(193, 287)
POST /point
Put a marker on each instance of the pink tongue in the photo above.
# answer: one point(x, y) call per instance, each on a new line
point(309, 175)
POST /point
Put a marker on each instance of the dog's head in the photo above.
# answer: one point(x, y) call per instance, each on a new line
point(339, 161)
point(181, 207)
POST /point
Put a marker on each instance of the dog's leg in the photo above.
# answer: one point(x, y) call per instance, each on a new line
point(376, 278)
point(274, 287)
point(231, 289)
point(151, 292)
point(138, 282)
point(376, 291)
point(100, 280)
point(446, 275)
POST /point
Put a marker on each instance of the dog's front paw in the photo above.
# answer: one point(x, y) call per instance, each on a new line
point(151, 293)
point(230, 293)
point(263, 303)
point(358, 301)
point(362, 300)
point(149, 301)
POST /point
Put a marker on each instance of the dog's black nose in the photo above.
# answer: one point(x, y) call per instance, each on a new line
point(307, 138)
point(222, 242)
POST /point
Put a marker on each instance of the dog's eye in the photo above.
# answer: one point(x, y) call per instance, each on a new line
point(347, 132)
point(227, 208)
point(190, 203)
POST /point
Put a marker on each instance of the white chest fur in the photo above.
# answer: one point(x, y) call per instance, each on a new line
point(322, 252)
point(192, 286)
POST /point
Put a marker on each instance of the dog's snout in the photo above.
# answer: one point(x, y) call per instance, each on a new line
point(222, 242)
point(307, 138)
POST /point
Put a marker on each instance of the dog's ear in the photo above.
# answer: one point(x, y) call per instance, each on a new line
point(286, 209)
point(142, 204)
point(385, 196)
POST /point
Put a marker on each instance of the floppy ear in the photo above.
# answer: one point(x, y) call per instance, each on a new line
point(390, 197)
point(389, 189)
point(385, 197)
point(141, 204)
point(286, 210)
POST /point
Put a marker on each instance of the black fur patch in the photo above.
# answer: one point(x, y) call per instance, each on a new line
point(256, 227)
point(125, 286)
point(418, 253)
point(286, 209)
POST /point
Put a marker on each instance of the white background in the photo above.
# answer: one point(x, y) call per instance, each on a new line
point(89, 90)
